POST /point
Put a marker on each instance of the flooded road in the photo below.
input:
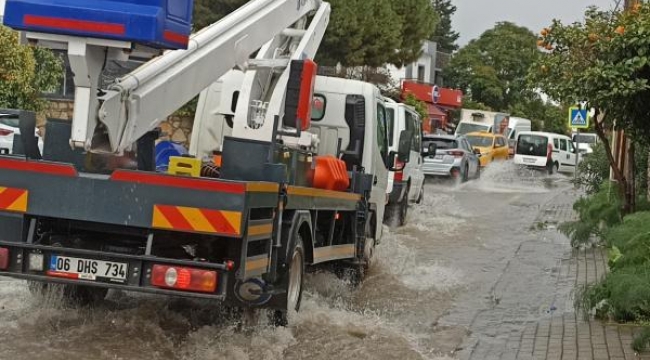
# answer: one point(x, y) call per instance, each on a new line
point(423, 299)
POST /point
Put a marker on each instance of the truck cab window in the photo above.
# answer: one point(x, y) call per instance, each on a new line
point(390, 125)
point(412, 125)
point(381, 131)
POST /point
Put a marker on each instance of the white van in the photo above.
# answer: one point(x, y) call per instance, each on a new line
point(407, 181)
point(353, 113)
point(553, 152)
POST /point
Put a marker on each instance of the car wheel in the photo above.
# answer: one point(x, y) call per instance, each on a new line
point(465, 175)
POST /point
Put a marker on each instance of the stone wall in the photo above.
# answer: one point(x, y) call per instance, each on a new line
point(176, 128)
point(60, 109)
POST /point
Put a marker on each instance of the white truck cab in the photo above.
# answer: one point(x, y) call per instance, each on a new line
point(517, 125)
point(480, 121)
point(350, 116)
point(407, 180)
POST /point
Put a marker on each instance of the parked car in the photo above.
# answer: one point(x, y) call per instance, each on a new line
point(454, 157)
point(543, 150)
point(491, 146)
point(9, 129)
point(407, 181)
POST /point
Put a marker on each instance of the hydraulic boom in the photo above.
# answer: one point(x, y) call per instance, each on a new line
point(111, 120)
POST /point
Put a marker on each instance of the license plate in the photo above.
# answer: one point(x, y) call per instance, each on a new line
point(87, 269)
point(529, 160)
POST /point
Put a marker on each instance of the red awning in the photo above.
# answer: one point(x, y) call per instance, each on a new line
point(435, 112)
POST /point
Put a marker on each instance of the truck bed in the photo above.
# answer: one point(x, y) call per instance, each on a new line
point(131, 198)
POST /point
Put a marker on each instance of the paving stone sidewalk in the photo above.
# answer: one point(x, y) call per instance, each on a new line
point(539, 321)
point(568, 335)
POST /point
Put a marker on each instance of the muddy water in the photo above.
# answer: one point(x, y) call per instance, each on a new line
point(421, 270)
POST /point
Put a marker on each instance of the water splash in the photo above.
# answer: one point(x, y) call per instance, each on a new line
point(506, 177)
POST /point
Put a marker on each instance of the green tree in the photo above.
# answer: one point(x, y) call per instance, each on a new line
point(605, 62)
point(419, 20)
point(207, 12)
point(25, 73)
point(444, 35)
point(545, 116)
point(492, 69)
point(360, 32)
point(418, 105)
point(376, 32)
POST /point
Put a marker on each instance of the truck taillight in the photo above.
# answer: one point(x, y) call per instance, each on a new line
point(399, 175)
point(399, 170)
point(4, 258)
point(5, 132)
point(184, 278)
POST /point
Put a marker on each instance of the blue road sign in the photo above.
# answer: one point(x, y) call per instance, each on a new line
point(578, 119)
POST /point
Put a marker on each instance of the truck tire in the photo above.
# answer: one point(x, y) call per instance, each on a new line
point(421, 196)
point(396, 212)
point(357, 273)
point(72, 295)
point(403, 209)
point(294, 282)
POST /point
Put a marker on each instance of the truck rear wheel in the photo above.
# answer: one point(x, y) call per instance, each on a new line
point(73, 295)
point(294, 283)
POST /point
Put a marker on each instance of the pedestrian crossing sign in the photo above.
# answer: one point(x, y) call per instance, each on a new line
point(578, 119)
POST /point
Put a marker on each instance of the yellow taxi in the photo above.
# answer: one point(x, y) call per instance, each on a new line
point(490, 146)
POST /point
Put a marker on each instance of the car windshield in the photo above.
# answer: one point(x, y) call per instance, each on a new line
point(533, 145)
point(441, 143)
point(13, 122)
point(465, 128)
point(480, 141)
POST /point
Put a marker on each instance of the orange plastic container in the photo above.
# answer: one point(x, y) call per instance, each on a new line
point(330, 173)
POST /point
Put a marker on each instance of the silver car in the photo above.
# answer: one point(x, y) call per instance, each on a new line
point(454, 157)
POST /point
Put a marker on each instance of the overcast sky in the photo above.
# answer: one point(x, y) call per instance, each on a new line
point(475, 16)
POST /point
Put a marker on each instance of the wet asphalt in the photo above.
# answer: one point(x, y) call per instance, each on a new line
point(469, 266)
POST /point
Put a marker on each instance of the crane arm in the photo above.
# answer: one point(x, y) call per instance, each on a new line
point(111, 120)
point(138, 102)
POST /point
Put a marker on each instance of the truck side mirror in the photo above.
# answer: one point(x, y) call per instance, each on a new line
point(404, 147)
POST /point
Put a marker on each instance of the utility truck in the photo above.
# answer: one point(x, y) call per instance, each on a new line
point(266, 193)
